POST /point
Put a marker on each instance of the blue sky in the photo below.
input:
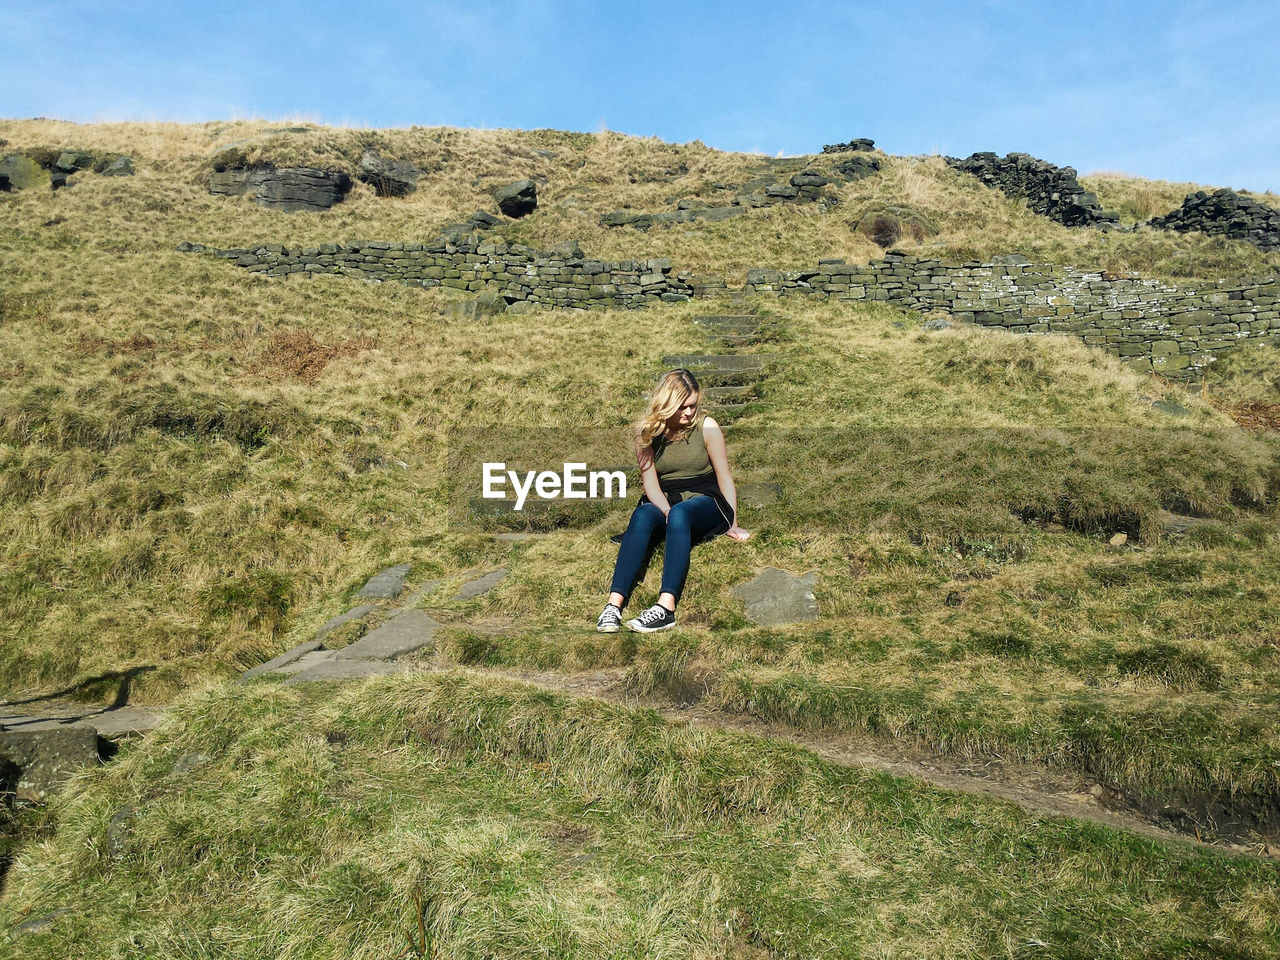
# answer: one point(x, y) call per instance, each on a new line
point(1169, 90)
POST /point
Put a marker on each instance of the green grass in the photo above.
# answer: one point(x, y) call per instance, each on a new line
point(198, 468)
point(527, 824)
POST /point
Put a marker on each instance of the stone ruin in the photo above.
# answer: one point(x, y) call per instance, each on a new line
point(1050, 191)
point(1225, 213)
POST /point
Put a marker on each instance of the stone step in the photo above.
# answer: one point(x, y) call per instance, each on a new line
point(336, 669)
point(386, 585)
point(410, 631)
point(290, 656)
point(728, 322)
point(731, 340)
point(724, 369)
point(732, 413)
point(731, 396)
point(732, 330)
point(480, 585)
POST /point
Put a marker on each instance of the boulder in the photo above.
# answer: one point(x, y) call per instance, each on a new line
point(119, 167)
point(390, 178)
point(22, 172)
point(518, 199)
point(809, 178)
point(69, 161)
point(290, 188)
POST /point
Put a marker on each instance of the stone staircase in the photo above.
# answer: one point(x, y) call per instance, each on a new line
point(406, 630)
point(730, 381)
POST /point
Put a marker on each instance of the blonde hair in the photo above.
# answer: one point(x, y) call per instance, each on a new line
point(668, 397)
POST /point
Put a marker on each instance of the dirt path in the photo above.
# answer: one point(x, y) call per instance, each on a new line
point(1037, 790)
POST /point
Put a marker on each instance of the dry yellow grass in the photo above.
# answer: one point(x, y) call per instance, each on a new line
point(186, 487)
point(587, 175)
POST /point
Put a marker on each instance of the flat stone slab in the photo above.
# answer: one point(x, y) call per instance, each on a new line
point(480, 586)
point(47, 758)
point(724, 368)
point(410, 631)
point(747, 362)
point(386, 585)
point(355, 613)
point(306, 661)
point(124, 722)
point(43, 922)
point(1170, 408)
point(286, 658)
point(109, 724)
point(1176, 525)
point(347, 670)
point(759, 494)
point(728, 322)
point(776, 597)
point(729, 395)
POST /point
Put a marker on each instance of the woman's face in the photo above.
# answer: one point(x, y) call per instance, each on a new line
point(684, 416)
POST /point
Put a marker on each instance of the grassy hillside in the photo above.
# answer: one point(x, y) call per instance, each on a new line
point(199, 467)
point(586, 175)
point(448, 817)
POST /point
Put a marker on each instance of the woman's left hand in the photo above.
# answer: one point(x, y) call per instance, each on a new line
point(737, 533)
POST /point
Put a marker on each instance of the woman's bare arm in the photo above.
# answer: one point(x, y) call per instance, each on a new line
point(649, 477)
point(719, 457)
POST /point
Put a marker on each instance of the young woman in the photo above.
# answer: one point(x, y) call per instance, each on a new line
point(688, 496)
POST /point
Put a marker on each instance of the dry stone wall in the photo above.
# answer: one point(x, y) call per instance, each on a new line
point(1173, 330)
point(1150, 325)
point(514, 272)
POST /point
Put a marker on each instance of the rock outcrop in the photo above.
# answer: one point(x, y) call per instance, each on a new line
point(287, 188)
point(861, 144)
point(42, 166)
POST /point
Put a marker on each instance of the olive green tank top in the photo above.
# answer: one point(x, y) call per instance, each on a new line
point(682, 459)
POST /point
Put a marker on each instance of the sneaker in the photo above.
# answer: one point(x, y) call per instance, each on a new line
point(610, 620)
point(656, 617)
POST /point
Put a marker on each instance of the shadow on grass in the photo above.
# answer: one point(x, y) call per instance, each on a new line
point(121, 680)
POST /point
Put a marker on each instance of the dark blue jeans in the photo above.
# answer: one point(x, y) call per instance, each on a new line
point(689, 522)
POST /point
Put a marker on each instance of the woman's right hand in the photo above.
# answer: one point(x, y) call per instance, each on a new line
point(737, 533)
